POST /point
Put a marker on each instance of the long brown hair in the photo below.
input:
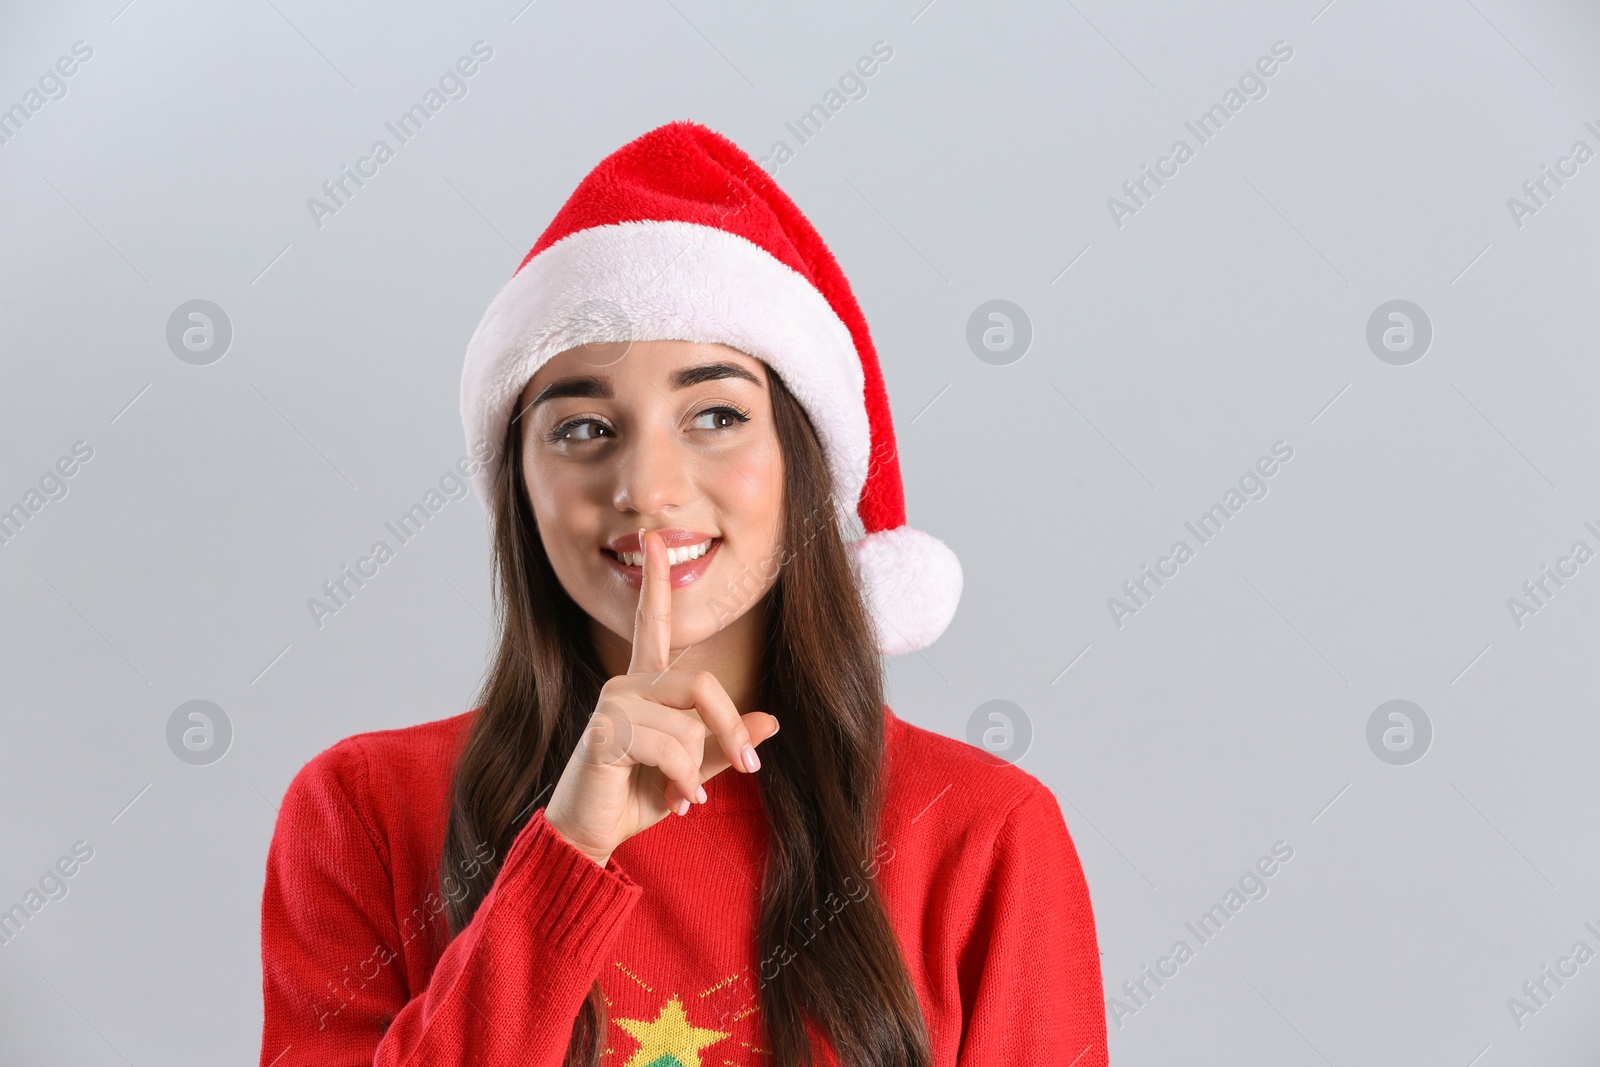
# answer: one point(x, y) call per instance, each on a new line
point(820, 781)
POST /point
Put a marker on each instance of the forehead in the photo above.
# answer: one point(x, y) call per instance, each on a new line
point(638, 362)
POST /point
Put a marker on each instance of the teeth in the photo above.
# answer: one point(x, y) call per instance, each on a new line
point(675, 556)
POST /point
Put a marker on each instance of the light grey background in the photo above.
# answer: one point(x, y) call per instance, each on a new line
point(1227, 314)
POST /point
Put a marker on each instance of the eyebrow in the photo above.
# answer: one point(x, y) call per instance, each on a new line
point(598, 388)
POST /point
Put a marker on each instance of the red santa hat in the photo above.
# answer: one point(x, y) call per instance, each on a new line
point(680, 235)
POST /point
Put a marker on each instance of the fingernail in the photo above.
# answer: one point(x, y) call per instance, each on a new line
point(683, 806)
point(752, 762)
point(700, 793)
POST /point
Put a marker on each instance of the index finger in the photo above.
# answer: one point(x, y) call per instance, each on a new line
point(652, 622)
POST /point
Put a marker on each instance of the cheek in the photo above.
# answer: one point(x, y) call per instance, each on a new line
point(746, 487)
point(563, 509)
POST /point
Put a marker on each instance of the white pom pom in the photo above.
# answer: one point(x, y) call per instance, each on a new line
point(912, 582)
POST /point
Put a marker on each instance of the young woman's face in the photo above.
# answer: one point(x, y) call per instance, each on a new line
point(672, 436)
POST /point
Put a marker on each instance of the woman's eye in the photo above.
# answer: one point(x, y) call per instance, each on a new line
point(719, 418)
point(579, 430)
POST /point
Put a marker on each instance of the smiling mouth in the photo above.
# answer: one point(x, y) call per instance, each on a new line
point(675, 556)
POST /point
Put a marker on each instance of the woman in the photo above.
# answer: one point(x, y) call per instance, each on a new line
point(675, 407)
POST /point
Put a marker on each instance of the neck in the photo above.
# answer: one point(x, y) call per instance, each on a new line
point(733, 654)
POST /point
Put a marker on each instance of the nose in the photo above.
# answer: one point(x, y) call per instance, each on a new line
point(651, 475)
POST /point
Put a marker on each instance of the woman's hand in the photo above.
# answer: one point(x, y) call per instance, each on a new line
point(649, 744)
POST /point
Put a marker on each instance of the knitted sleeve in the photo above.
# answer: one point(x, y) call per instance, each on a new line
point(506, 990)
point(1030, 971)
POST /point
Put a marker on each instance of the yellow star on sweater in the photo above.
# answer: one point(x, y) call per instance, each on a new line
point(669, 1041)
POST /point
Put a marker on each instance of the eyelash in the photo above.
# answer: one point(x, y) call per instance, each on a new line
point(739, 414)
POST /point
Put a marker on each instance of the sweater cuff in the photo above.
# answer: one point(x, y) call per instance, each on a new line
point(572, 904)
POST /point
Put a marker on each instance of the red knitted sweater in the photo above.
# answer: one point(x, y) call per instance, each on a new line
point(980, 877)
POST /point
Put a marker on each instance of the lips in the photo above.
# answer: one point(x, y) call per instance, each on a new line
point(675, 556)
point(680, 543)
point(629, 542)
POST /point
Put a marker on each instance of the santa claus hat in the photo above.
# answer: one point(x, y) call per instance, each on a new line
point(680, 235)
